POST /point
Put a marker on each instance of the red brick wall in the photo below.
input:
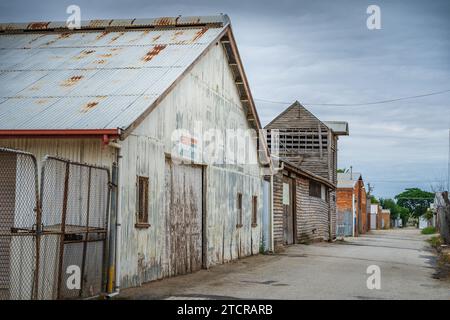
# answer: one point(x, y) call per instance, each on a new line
point(364, 220)
point(344, 199)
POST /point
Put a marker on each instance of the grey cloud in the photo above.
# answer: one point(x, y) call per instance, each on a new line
point(322, 52)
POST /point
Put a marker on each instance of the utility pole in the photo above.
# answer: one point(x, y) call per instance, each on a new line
point(448, 173)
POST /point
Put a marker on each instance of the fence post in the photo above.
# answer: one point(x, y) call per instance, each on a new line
point(63, 229)
point(445, 225)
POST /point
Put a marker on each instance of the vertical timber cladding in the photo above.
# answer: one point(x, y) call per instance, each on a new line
point(289, 209)
point(184, 213)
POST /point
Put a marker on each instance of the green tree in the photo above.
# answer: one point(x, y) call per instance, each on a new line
point(391, 205)
point(342, 170)
point(397, 211)
point(415, 200)
point(374, 200)
point(404, 215)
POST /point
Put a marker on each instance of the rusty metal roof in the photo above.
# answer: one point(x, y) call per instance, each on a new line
point(103, 76)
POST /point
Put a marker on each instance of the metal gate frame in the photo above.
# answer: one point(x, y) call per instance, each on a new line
point(21, 229)
point(43, 264)
point(82, 234)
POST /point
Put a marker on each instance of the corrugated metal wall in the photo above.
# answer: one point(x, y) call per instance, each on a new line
point(207, 98)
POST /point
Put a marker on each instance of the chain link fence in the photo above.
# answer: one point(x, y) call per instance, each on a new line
point(54, 248)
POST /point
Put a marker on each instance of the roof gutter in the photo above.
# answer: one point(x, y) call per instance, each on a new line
point(64, 133)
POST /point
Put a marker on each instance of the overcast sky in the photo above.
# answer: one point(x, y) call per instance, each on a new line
point(322, 52)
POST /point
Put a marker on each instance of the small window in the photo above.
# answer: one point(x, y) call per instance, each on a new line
point(315, 189)
point(324, 193)
point(239, 210)
point(142, 203)
point(254, 211)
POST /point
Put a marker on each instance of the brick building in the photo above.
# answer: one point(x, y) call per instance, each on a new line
point(352, 214)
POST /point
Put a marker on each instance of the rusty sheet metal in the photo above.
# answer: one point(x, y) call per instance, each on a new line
point(139, 23)
point(52, 80)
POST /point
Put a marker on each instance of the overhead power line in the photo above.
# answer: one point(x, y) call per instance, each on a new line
point(361, 104)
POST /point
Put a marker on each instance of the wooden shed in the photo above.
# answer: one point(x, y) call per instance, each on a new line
point(304, 187)
point(142, 98)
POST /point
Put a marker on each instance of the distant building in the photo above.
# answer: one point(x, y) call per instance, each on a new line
point(374, 208)
point(304, 188)
point(352, 215)
point(385, 219)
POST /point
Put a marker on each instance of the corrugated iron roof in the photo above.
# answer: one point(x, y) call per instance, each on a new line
point(338, 127)
point(347, 179)
point(95, 79)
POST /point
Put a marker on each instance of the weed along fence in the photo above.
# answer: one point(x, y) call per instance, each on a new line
point(53, 234)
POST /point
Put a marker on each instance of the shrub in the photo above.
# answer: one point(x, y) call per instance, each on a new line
point(429, 230)
point(435, 241)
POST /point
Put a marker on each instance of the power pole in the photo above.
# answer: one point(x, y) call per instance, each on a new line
point(448, 173)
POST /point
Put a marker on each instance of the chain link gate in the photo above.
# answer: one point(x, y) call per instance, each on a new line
point(75, 205)
point(55, 250)
point(19, 240)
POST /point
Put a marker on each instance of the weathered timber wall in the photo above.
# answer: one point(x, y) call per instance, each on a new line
point(312, 215)
point(278, 212)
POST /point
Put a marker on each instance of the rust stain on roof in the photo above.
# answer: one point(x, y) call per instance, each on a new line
point(165, 21)
point(116, 37)
point(102, 61)
point(101, 35)
point(38, 25)
point(35, 88)
point(34, 39)
point(199, 33)
point(154, 52)
point(41, 101)
point(142, 35)
point(71, 81)
point(156, 38)
point(89, 106)
point(84, 53)
point(176, 34)
point(99, 23)
point(64, 35)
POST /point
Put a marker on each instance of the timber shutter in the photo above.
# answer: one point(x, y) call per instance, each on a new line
point(142, 205)
point(254, 211)
point(239, 210)
point(315, 189)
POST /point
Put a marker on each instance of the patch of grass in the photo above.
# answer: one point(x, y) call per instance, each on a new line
point(429, 230)
point(435, 241)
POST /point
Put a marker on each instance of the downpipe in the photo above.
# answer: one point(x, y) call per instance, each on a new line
point(113, 287)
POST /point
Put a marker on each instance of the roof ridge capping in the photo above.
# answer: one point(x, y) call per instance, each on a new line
point(180, 21)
